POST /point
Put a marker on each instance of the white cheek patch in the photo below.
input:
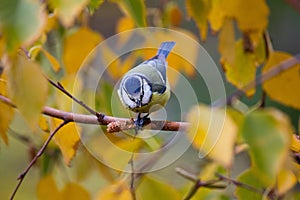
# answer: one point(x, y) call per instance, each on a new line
point(126, 100)
point(147, 93)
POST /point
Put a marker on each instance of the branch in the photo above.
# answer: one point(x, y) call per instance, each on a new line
point(106, 120)
point(40, 152)
point(198, 183)
point(275, 70)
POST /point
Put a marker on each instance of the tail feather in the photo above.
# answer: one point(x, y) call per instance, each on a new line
point(165, 48)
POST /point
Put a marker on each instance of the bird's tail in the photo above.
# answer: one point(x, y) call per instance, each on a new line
point(165, 48)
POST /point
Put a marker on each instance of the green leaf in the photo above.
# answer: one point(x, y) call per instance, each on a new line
point(135, 9)
point(249, 177)
point(151, 188)
point(94, 5)
point(27, 87)
point(68, 10)
point(21, 21)
point(268, 135)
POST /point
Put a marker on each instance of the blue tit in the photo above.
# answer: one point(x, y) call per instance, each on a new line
point(145, 88)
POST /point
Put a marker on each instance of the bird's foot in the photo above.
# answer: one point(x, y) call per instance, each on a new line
point(139, 122)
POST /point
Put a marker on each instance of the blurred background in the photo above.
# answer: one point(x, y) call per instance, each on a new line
point(284, 30)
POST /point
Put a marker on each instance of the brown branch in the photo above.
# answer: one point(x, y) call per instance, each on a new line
point(40, 152)
point(275, 70)
point(91, 119)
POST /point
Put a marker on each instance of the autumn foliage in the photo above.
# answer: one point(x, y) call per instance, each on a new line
point(239, 146)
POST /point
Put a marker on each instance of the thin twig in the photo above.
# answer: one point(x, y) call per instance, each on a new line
point(240, 184)
point(40, 152)
point(275, 70)
point(59, 86)
point(198, 183)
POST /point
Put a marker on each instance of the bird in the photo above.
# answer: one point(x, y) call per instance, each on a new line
point(145, 88)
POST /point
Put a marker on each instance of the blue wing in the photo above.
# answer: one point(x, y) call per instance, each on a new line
point(165, 48)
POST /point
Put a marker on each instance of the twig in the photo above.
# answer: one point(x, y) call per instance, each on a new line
point(198, 183)
point(132, 191)
point(91, 119)
point(277, 69)
point(59, 86)
point(240, 184)
point(40, 152)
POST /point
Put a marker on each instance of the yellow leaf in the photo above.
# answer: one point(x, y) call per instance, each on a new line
point(250, 15)
point(286, 179)
point(284, 87)
point(227, 42)
point(67, 139)
point(118, 67)
point(295, 143)
point(199, 11)
point(119, 190)
point(6, 115)
point(113, 152)
point(78, 46)
point(47, 189)
point(53, 61)
point(213, 133)
point(243, 70)
point(67, 11)
point(125, 23)
point(28, 89)
point(73, 191)
point(216, 15)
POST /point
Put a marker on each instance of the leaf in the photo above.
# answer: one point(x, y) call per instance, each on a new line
point(199, 11)
point(286, 180)
point(67, 139)
point(213, 133)
point(67, 11)
point(6, 112)
point(227, 42)
point(21, 22)
point(249, 177)
point(250, 15)
point(268, 135)
point(284, 87)
point(47, 189)
point(27, 88)
point(53, 61)
point(135, 9)
point(78, 46)
point(172, 14)
point(243, 69)
point(151, 188)
point(119, 190)
point(73, 191)
point(216, 14)
point(94, 5)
